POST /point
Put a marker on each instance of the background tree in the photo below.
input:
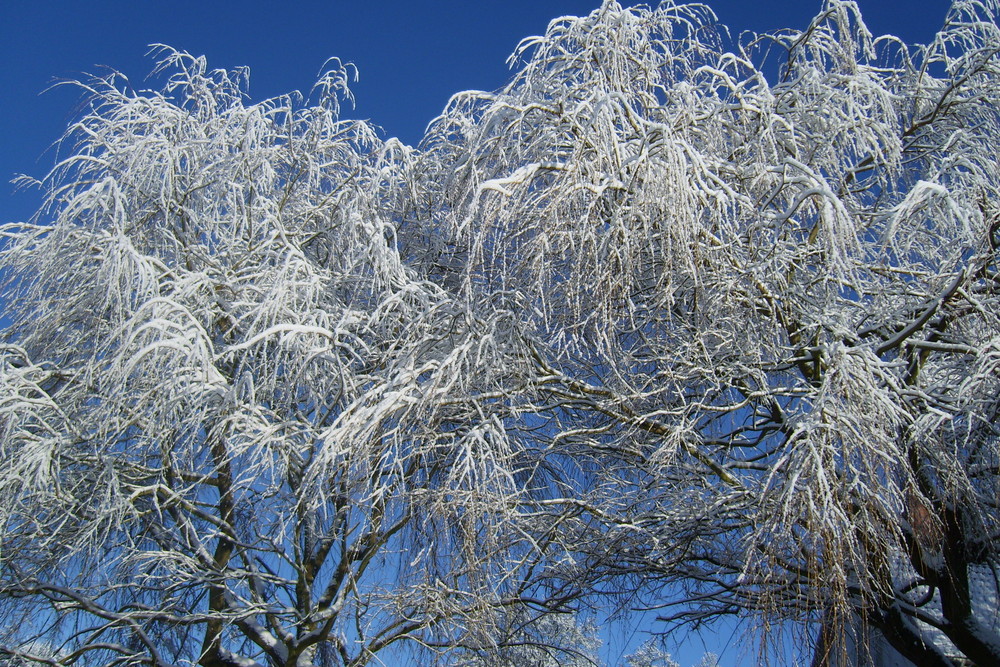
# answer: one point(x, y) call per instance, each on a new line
point(539, 640)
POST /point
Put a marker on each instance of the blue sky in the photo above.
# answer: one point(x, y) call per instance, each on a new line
point(412, 56)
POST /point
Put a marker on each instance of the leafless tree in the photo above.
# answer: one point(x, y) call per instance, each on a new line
point(688, 322)
point(758, 282)
point(237, 428)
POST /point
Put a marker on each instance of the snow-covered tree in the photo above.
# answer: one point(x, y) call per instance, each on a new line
point(673, 320)
point(758, 281)
point(236, 427)
point(650, 655)
point(537, 640)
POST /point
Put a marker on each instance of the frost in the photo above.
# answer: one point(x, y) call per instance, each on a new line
point(661, 324)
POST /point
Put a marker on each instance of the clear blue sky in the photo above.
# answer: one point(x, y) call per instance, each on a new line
point(412, 56)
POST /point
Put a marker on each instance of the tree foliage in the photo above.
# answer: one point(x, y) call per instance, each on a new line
point(674, 319)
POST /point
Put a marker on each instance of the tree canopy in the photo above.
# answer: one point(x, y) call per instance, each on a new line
point(676, 320)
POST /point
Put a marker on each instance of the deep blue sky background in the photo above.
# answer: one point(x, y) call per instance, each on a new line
point(412, 56)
